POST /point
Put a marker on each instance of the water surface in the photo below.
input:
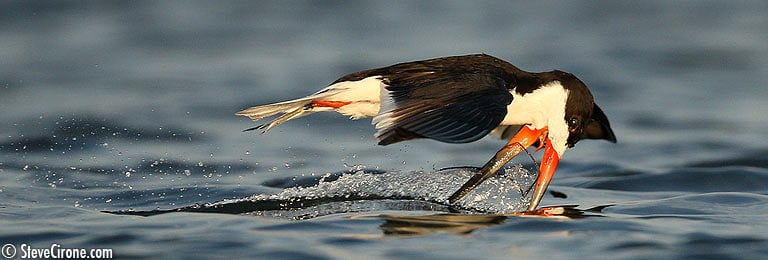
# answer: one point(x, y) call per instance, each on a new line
point(128, 107)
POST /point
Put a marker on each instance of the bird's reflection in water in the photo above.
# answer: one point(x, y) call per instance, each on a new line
point(440, 223)
point(461, 224)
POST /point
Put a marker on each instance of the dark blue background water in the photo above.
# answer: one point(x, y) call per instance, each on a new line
point(129, 105)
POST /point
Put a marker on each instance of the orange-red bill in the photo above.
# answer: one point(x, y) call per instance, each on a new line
point(546, 171)
point(522, 140)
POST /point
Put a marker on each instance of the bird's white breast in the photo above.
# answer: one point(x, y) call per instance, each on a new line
point(544, 107)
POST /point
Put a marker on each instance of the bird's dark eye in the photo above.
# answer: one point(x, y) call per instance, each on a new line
point(573, 122)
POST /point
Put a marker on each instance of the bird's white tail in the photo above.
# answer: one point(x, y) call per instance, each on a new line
point(289, 110)
point(356, 99)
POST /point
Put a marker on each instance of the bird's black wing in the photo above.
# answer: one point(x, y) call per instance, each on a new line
point(456, 103)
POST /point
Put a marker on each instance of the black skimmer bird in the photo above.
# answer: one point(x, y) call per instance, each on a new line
point(460, 99)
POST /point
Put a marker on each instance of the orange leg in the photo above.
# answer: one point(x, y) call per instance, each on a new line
point(333, 104)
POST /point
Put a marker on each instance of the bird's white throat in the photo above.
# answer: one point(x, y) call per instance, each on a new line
point(544, 107)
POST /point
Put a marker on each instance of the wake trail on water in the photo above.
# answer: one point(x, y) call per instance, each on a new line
point(362, 190)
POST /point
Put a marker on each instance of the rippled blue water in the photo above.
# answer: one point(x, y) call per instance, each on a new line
point(116, 106)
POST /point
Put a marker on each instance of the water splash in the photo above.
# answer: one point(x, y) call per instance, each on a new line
point(372, 190)
point(500, 194)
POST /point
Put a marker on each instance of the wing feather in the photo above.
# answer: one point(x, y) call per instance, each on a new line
point(447, 104)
